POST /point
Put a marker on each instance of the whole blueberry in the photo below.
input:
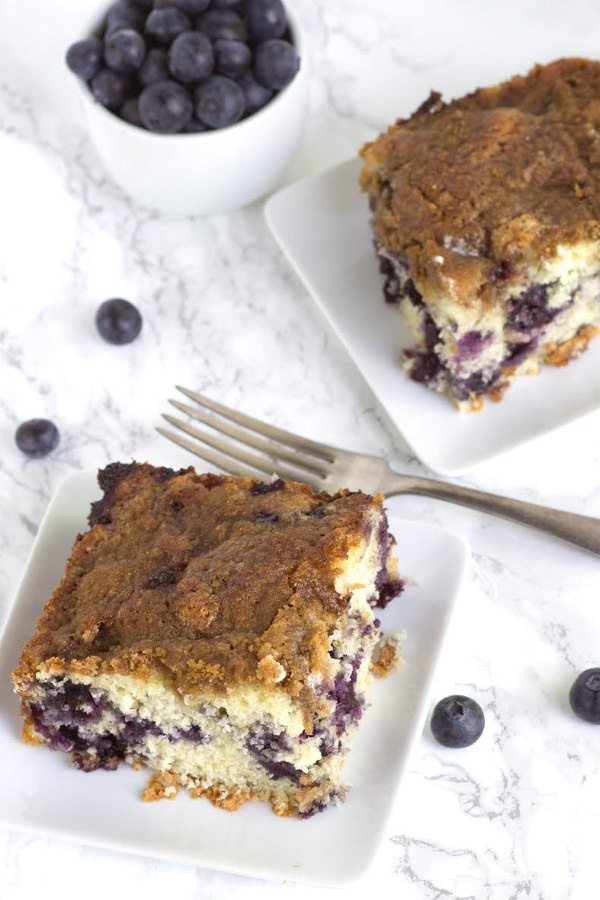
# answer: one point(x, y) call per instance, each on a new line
point(191, 57)
point(255, 93)
point(189, 7)
point(265, 19)
point(219, 102)
point(154, 68)
point(118, 321)
point(130, 112)
point(275, 64)
point(222, 24)
point(584, 696)
point(85, 58)
point(110, 88)
point(194, 127)
point(232, 57)
point(124, 14)
point(457, 721)
point(165, 24)
point(37, 437)
point(124, 50)
point(165, 107)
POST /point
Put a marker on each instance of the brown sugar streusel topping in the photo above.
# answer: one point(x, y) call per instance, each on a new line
point(208, 580)
point(470, 192)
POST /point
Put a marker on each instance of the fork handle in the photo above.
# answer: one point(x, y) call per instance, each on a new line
point(584, 531)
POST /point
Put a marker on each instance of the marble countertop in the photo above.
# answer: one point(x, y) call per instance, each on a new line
point(516, 816)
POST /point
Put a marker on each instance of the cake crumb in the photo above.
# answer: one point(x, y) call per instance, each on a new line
point(387, 656)
point(28, 734)
point(269, 671)
point(561, 354)
point(162, 786)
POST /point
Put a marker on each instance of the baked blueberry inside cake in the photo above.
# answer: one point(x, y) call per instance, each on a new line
point(486, 219)
point(218, 630)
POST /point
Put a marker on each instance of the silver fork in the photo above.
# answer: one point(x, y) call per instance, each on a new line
point(328, 468)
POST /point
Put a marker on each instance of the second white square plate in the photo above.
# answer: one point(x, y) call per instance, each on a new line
point(322, 225)
point(39, 790)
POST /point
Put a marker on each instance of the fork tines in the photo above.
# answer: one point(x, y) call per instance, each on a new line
point(280, 452)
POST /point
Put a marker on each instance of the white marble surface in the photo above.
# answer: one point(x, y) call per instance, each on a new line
point(516, 816)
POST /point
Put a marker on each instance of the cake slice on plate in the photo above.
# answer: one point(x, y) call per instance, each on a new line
point(486, 217)
point(218, 630)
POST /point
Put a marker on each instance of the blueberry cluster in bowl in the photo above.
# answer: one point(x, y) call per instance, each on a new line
point(176, 66)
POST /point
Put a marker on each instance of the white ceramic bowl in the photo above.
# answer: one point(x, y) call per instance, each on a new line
point(200, 174)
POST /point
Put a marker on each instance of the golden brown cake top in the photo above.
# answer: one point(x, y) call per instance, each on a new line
point(207, 579)
point(471, 192)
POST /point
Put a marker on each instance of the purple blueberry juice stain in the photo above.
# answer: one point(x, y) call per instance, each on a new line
point(391, 285)
point(477, 383)
point(263, 745)
point(349, 706)
point(134, 730)
point(518, 353)
point(425, 367)
point(471, 344)
point(412, 293)
point(67, 711)
point(431, 333)
point(389, 591)
point(194, 733)
point(530, 311)
point(261, 487)
point(386, 588)
point(276, 768)
point(263, 515)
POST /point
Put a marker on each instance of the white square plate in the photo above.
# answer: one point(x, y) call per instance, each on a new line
point(322, 225)
point(40, 791)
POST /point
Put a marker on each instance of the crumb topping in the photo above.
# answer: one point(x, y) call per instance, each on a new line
point(470, 192)
point(204, 579)
point(387, 656)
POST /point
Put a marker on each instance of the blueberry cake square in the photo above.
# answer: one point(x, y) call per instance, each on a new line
point(218, 630)
point(486, 219)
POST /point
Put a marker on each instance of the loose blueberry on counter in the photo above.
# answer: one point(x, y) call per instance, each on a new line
point(457, 721)
point(124, 14)
point(265, 19)
point(222, 24)
point(85, 58)
point(219, 102)
point(110, 88)
point(191, 57)
point(584, 696)
point(165, 107)
point(118, 321)
point(154, 68)
point(256, 94)
point(232, 57)
point(276, 63)
point(164, 25)
point(124, 50)
point(37, 437)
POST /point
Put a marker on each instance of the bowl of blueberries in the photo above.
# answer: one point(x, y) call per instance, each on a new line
point(194, 106)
